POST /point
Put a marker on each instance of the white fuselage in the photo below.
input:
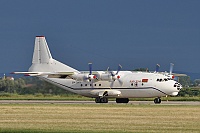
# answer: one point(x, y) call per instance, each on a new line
point(134, 84)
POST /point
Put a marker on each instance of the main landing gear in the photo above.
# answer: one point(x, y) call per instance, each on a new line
point(105, 100)
point(157, 100)
point(101, 100)
point(122, 100)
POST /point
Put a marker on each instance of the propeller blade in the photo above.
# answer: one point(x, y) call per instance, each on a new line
point(119, 68)
point(112, 83)
point(111, 72)
point(120, 82)
point(171, 68)
point(90, 68)
point(157, 67)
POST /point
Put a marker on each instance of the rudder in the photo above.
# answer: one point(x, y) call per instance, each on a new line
point(41, 51)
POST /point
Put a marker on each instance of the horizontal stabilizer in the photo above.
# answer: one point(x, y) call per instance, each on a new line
point(50, 74)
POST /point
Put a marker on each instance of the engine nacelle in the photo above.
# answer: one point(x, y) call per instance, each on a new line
point(83, 77)
point(79, 77)
point(105, 77)
point(115, 77)
point(171, 76)
point(92, 77)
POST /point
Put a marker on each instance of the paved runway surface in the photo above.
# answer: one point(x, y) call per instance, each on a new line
point(92, 102)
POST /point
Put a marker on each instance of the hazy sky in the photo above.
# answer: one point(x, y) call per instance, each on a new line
point(133, 33)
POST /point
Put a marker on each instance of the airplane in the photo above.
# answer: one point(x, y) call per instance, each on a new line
point(101, 85)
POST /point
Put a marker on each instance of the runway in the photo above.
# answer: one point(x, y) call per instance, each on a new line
point(92, 102)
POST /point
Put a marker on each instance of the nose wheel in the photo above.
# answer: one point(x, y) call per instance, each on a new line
point(157, 100)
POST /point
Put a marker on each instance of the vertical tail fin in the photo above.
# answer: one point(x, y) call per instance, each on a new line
point(42, 60)
point(41, 51)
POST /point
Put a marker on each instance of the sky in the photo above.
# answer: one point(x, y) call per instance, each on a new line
point(133, 33)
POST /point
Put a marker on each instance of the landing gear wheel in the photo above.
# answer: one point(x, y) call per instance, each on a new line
point(97, 100)
point(104, 100)
point(101, 100)
point(122, 100)
point(157, 100)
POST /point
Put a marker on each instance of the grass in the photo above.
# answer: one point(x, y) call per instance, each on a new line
point(8, 96)
point(99, 118)
point(43, 97)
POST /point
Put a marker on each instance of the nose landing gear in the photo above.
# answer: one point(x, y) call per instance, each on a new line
point(157, 100)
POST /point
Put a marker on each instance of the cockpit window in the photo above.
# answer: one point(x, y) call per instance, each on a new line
point(165, 79)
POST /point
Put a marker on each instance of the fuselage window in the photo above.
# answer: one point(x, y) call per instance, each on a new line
point(95, 85)
point(99, 84)
point(136, 84)
point(85, 84)
point(131, 84)
point(81, 84)
point(158, 79)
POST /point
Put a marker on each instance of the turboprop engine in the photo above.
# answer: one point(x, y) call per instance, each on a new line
point(110, 75)
point(85, 76)
point(106, 77)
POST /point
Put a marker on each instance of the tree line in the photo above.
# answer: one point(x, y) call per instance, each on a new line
point(29, 85)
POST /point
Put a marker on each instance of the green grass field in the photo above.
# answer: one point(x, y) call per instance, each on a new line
point(99, 118)
point(7, 96)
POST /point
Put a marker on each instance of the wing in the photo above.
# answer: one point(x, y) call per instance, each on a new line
point(179, 74)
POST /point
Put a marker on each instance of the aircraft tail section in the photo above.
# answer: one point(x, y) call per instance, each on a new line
point(41, 52)
point(42, 60)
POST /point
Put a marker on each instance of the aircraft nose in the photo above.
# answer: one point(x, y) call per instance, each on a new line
point(178, 86)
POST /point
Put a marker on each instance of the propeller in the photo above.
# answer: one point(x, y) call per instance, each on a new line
point(90, 68)
point(157, 67)
point(115, 76)
point(171, 68)
point(90, 75)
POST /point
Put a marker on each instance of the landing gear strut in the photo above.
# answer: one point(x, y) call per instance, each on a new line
point(101, 100)
point(157, 100)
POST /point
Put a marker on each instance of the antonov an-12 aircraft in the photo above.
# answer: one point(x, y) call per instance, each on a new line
point(101, 85)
